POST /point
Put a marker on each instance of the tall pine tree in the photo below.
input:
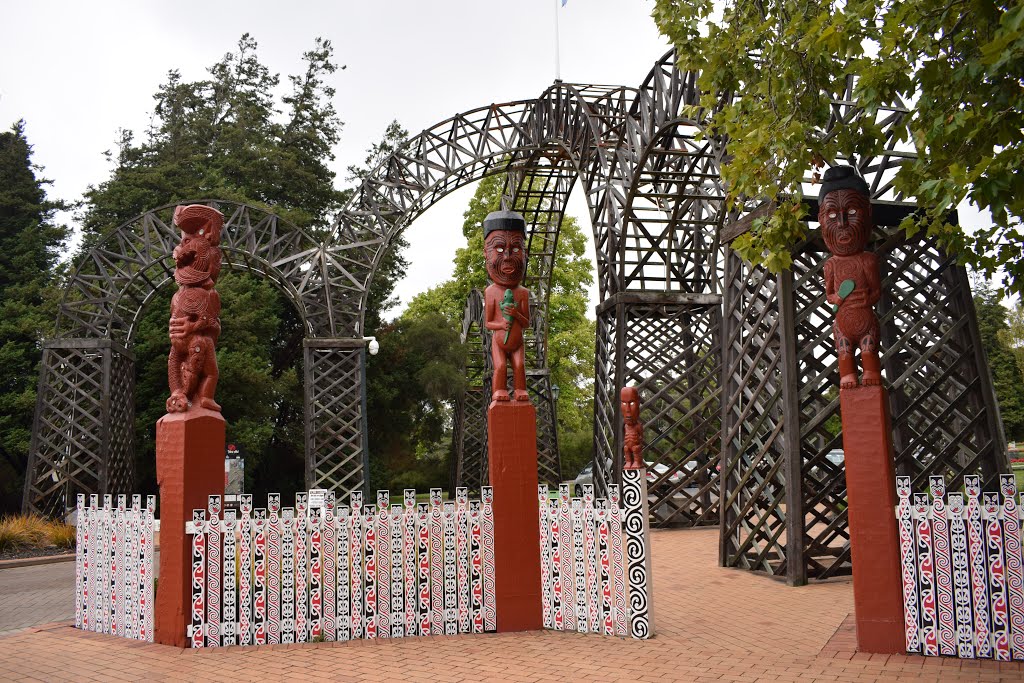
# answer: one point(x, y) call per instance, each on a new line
point(30, 241)
point(227, 137)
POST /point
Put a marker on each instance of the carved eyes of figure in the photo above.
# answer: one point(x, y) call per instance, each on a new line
point(501, 250)
point(849, 212)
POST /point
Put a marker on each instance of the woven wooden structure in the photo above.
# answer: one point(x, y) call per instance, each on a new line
point(734, 365)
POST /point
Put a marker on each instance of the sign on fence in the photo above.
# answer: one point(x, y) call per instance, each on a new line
point(387, 571)
point(962, 569)
point(114, 566)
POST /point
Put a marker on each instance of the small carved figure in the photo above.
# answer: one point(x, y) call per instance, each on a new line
point(506, 302)
point(195, 309)
point(633, 443)
point(852, 281)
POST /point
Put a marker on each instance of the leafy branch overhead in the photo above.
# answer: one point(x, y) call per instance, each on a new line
point(956, 64)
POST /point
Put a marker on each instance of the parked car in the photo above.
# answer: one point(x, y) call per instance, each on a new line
point(654, 473)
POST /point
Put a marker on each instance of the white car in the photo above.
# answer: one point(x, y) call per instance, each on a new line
point(654, 472)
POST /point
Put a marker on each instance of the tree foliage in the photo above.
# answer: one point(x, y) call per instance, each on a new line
point(226, 137)
point(1007, 376)
point(957, 63)
point(30, 241)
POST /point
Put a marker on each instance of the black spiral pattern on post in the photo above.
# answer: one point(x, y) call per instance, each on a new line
point(636, 554)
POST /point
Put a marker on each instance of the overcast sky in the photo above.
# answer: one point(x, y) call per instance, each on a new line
point(79, 71)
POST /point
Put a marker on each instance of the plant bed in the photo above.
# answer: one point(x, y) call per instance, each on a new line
point(23, 553)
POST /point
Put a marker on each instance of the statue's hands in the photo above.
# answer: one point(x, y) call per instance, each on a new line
point(510, 309)
point(179, 328)
point(177, 403)
point(508, 325)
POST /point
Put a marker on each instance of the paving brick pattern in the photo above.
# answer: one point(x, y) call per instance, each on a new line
point(712, 624)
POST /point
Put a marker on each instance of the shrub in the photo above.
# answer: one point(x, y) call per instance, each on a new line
point(30, 531)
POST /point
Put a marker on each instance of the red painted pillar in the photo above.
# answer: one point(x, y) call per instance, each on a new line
point(512, 465)
point(874, 538)
point(189, 468)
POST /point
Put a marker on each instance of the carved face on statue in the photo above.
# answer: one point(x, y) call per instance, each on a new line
point(505, 253)
point(630, 399)
point(845, 217)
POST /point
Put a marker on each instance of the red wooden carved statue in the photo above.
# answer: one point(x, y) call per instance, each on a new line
point(633, 443)
point(195, 325)
point(506, 302)
point(852, 281)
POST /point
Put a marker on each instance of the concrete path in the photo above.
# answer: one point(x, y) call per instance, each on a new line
point(36, 595)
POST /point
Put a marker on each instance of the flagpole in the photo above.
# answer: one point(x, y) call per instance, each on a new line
point(558, 67)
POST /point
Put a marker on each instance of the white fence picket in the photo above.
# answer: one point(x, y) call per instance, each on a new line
point(114, 566)
point(295, 575)
point(964, 598)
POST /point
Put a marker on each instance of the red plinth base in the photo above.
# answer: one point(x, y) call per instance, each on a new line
point(512, 464)
point(874, 539)
point(189, 468)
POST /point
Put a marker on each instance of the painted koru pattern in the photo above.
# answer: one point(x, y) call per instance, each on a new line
point(383, 565)
point(1014, 563)
point(436, 563)
point(943, 568)
point(273, 525)
point(487, 535)
point(633, 494)
point(963, 570)
point(926, 575)
point(213, 585)
point(996, 575)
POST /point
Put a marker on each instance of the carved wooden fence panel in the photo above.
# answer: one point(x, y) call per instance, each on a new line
point(114, 569)
point(295, 575)
point(963, 569)
point(584, 583)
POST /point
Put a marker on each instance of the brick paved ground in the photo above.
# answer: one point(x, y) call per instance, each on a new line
point(713, 625)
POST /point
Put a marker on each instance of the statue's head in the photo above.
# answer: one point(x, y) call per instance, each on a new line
point(844, 211)
point(505, 247)
point(197, 258)
point(630, 399)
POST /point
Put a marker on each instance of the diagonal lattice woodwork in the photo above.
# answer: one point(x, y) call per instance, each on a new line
point(785, 510)
point(83, 429)
point(469, 428)
point(668, 350)
point(336, 448)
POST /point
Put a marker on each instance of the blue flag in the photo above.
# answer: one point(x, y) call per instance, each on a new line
point(563, 2)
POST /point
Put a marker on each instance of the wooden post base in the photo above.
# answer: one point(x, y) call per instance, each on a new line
point(512, 465)
point(874, 538)
point(189, 469)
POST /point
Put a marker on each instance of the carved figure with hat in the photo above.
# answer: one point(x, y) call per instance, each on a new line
point(852, 280)
point(506, 301)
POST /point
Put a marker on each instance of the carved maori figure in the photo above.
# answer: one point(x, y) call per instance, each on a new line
point(852, 280)
point(195, 310)
point(633, 443)
point(506, 302)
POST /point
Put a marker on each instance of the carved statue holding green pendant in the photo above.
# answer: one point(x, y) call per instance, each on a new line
point(506, 302)
point(852, 281)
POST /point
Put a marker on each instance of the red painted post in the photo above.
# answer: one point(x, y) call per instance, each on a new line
point(189, 468)
point(512, 465)
point(874, 538)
